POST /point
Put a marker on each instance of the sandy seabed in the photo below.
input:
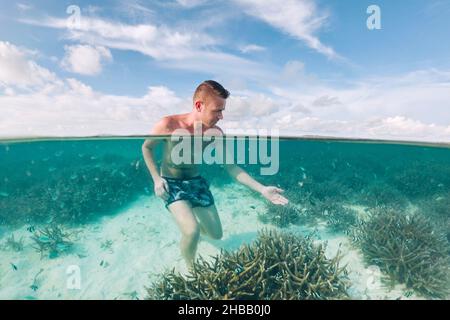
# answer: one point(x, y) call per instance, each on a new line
point(118, 256)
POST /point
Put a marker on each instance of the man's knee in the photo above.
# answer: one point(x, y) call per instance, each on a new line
point(192, 232)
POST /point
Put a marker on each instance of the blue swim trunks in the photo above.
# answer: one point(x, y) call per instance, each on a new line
point(195, 190)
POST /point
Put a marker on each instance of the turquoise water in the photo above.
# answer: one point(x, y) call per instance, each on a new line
point(66, 203)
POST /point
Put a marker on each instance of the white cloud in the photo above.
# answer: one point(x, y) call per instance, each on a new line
point(390, 128)
point(136, 10)
point(191, 3)
point(325, 101)
point(255, 105)
point(37, 103)
point(16, 69)
point(293, 69)
point(9, 91)
point(251, 48)
point(409, 107)
point(24, 6)
point(299, 107)
point(172, 48)
point(422, 95)
point(92, 10)
point(401, 127)
point(79, 88)
point(298, 18)
point(412, 106)
point(158, 42)
point(78, 110)
point(85, 59)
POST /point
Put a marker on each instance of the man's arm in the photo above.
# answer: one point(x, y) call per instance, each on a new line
point(148, 147)
point(271, 193)
point(243, 177)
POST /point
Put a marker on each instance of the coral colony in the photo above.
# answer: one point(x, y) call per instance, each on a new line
point(407, 249)
point(275, 266)
point(74, 195)
point(52, 241)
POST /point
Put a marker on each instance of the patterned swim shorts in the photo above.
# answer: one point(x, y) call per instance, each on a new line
point(195, 190)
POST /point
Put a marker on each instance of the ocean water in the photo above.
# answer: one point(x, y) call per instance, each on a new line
point(79, 219)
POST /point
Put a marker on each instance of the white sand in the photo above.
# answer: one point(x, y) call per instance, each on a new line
point(145, 243)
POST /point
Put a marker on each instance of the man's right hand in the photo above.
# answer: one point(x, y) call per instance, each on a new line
point(162, 188)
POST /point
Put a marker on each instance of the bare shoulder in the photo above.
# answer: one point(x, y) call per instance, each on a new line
point(219, 129)
point(163, 126)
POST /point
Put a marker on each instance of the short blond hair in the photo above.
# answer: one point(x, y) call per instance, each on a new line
point(208, 88)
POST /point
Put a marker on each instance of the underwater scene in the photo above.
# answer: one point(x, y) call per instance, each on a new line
point(366, 220)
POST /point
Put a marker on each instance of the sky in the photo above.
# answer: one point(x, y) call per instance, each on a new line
point(297, 67)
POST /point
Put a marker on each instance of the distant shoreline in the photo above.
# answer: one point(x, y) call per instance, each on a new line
point(19, 139)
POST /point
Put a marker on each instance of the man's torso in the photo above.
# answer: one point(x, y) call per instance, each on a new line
point(188, 168)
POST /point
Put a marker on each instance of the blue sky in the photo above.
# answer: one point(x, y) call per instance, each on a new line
point(306, 66)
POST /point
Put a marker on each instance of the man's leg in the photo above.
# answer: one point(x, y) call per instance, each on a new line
point(188, 225)
point(209, 221)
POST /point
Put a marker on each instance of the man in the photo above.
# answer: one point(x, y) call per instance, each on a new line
point(184, 191)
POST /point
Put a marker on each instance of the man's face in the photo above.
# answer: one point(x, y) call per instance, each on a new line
point(211, 110)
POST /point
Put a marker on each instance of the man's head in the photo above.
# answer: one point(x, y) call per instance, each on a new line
point(209, 102)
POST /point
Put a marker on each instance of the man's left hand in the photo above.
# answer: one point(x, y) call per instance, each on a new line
point(273, 195)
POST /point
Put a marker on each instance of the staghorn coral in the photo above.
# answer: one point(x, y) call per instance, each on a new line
point(107, 245)
point(281, 216)
point(12, 244)
point(438, 209)
point(74, 195)
point(52, 240)
point(341, 219)
point(336, 216)
point(421, 179)
point(296, 212)
point(333, 189)
point(276, 266)
point(305, 209)
point(408, 249)
point(381, 193)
